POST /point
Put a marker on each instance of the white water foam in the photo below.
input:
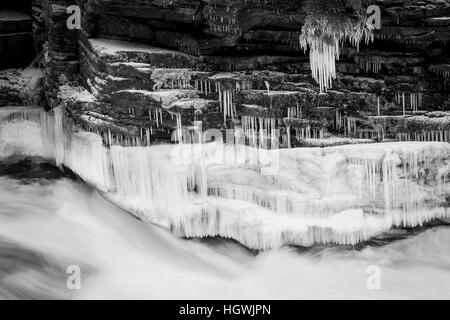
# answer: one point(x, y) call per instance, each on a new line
point(64, 223)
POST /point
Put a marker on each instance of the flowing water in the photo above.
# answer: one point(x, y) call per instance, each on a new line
point(50, 221)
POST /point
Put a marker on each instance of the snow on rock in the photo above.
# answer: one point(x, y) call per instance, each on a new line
point(166, 97)
point(115, 51)
point(113, 47)
point(26, 84)
point(197, 104)
point(67, 92)
point(261, 198)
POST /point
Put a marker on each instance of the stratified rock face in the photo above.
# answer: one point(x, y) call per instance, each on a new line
point(154, 66)
point(239, 63)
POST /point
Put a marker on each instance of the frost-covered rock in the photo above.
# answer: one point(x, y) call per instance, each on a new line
point(21, 87)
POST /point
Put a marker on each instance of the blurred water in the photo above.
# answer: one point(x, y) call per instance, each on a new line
point(49, 222)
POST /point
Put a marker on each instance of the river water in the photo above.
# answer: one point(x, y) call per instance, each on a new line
point(50, 222)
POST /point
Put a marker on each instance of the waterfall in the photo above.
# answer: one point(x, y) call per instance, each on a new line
point(86, 156)
point(343, 194)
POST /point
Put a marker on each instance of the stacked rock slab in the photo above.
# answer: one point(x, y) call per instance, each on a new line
point(250, 48)
point(220, 57)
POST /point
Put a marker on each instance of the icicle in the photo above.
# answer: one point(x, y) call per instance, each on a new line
point(147, 135)
point(219, 90)
point(109, 138)
point(378, 107)
point(179, 128)
point(404, 104)
point(157, 118)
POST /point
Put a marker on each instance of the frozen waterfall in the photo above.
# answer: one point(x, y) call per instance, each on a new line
point(261, 198)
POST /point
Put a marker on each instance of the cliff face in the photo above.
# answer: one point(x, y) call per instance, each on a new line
point(151, 66)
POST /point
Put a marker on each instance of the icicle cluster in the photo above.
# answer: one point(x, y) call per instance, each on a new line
point(415, 101)
point(346, 124)
point(351, 129)
point(375, 134)
point(323, 56)
point(309, 133)
point(295, 112)
point(227, 105)
point(323, 35)
point(425, 135)
point(443, 70)
point(156, 115)
point(260, 132)
point(203, 86)
point(370, 66)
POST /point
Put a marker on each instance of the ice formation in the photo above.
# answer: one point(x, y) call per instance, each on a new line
point(261, 198)
point(323, 39)
point(323, 56)
point(227, 104)
point(259, 131)
point(415, 101)
point(371, 65)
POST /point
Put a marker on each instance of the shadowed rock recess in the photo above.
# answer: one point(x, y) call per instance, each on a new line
point(363, 152)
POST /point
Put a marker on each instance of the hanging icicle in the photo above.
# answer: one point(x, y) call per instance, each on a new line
point(415, 101)
point(323, 56)
point(370, 66)
point(323, 35)
point(378, 107)
point(351, 127)
point(179, 128)
point(226, 103)
point(294, 112)
point(260, 132)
